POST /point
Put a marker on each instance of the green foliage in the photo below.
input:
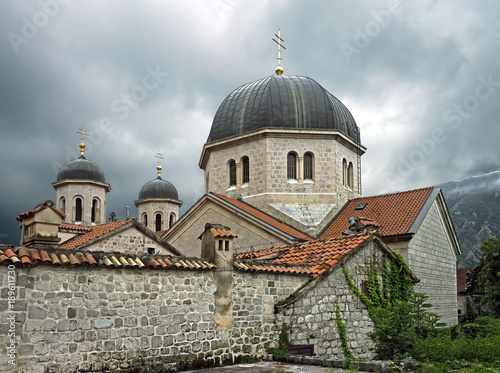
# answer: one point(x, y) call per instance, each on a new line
point(282, 348)
point(489, 274)
point(343, 333)
point(249, 359)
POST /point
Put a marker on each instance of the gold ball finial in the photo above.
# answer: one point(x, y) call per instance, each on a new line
point(82, 147)
point(279, 70)
point(158, 170)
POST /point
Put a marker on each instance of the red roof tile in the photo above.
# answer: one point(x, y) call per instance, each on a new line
point(264, 217)
point(217, 232)
point(76, 227)
point(30, 257)
point(97, 231)
point(311, 258)
point(393, 213)
point(41, 206)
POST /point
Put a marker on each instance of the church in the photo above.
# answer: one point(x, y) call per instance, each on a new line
point(262, 252)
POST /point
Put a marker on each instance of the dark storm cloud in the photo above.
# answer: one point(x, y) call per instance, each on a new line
point(149, 76)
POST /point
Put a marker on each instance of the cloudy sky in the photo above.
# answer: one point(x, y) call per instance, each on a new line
point(422, 80)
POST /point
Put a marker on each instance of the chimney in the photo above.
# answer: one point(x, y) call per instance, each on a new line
point(217, 245)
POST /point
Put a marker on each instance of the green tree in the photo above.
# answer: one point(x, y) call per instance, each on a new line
point(489, 274)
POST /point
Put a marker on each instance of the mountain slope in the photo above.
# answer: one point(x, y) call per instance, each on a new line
point(474, 205)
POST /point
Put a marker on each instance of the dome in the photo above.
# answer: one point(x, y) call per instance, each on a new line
point(281, 102)
point(158, 188)
point(81, 169)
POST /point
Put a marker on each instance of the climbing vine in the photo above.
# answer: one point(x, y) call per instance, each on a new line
point(343, 333)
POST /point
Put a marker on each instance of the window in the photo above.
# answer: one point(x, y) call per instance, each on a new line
point(245, 163)
point(344, 172)
point(227, 245)
point(78, 209)
point(145, 219)
point(220, 245)
point(350, 175)
point(308, 166)
point(232, 172)
point(291, 163)
point(172, 219)
point(94, 212)
point(62, 205)
point(158, 222)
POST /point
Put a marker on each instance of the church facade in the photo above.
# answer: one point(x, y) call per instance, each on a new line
point(262, 252)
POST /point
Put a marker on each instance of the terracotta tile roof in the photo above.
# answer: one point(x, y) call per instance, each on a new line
point(218, 232)
point(285, 228)
point(462, 279)
point(41, 206)
point(27, 257)
point(97, 231)
point(76, 227)
point(393, 213)
point(311, 258)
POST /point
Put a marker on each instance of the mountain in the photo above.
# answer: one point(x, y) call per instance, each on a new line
point(474, 205)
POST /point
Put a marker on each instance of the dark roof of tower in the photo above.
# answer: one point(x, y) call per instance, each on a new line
point(158, 188)
point(281, 102)
point(81, 169)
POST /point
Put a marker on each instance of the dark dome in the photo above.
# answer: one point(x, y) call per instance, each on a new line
point(81, 169)
point(158, 188)
point(280, 102)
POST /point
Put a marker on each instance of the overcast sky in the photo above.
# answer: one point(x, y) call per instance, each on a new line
point(422, 80)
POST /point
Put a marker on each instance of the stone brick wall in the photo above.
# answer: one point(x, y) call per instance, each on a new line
point(129, 241)
point(96, 319)
point(248, 235)
point(312, 319)
point(433, 261)
point(151, 207)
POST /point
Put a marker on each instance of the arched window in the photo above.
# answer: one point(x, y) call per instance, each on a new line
point(172, 219)
point(94, 213)
point(232, 172)
point(78, 209)
point(62, 205)
point(308, 166)
point(350, 175)
point(158, 222)
point(291, 166)
point(145, 219)
point(344, 172)
point(245, 165)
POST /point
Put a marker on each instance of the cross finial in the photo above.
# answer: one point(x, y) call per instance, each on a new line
point(84, 133)
point(279, 69)
point(158, 167)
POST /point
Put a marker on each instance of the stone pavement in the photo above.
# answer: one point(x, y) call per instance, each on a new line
point(270, 367)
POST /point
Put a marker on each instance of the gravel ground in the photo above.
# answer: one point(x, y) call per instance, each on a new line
point(270, 367)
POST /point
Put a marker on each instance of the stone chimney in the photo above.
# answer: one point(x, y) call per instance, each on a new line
point(217, 246)
point(40, 226)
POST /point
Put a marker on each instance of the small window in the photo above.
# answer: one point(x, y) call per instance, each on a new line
point(350, 175)
point(308, 166)
point(291, 163)
point(344, 172)
point(172, 219)
point(232, 172)
point(361, 206)
point(158, 222)
point(145, 219)
point(94, 212)
point(151, 250)
point(220, 245)
point(62, 205)
point(245, 162)
point(78, 209)
point(227, 245)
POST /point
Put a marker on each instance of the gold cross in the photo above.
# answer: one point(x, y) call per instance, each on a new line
point(84, 133)
point(279, 69)
point(158, 168)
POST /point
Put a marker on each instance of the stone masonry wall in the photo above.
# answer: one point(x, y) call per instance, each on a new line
point(432, 260)
point(96, 319)
point(312, 319)
point(129, 241)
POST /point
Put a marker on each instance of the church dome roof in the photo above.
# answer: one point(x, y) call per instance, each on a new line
point(158, 188)
point(281, 102)
point(81, 169)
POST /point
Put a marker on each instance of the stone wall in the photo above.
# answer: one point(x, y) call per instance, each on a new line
point(70, 319)
point(311, 319)
point(130, 240)
point(433, 261)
